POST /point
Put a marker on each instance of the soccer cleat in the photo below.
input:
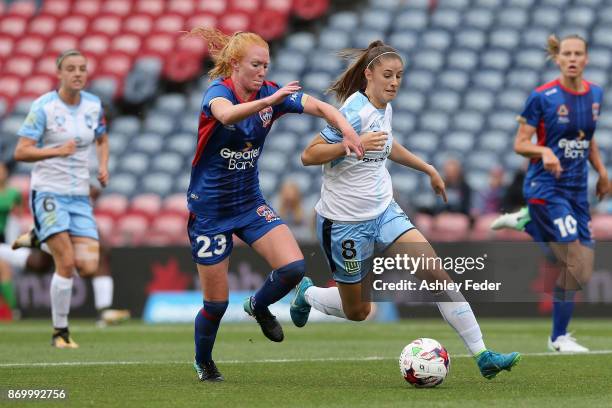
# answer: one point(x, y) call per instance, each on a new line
point(300, 309)
point(26, 240)
point(516, 220)
point(208, 371)
point(566, 344)
point(112, 316)
point(270, 327)
point(491, 363)
point(61, 339)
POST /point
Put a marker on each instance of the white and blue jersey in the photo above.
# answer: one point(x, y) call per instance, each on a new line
point(224, 197)
point(60, 185)
point(356, 213)
point(565, 121)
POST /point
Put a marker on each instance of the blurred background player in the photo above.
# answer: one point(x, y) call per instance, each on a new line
point(57, 135)
point(563, 113)
point(357, 214)
point(224, 197)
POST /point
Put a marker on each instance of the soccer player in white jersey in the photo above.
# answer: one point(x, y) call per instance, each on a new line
point(357, 215)
point(57, 135)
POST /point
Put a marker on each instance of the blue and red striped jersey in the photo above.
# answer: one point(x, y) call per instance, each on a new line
point(224, 177)
point(565, 121)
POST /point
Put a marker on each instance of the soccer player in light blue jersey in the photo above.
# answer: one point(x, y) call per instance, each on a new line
point(224, 197)
point(563, 115)
point(357, 216)
point(56, 136)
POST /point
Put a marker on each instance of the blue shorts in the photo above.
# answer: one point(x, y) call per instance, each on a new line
point(349, 247)
point(559, 219)
point(211, 238)
point(55, 213)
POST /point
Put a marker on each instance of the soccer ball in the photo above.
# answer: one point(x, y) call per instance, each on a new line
point(424, 363)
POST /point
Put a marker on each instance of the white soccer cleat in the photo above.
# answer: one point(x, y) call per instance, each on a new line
point(566, 344)
point(112, 316)
point(516, 220)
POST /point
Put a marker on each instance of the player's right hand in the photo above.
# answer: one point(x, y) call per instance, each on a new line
point(551, 163)
point(280, 95)
point(67, 148)
point(373, 141)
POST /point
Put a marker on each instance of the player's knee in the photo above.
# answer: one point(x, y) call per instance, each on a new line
point(358, 314)
point(86, 258)
point(291, 274)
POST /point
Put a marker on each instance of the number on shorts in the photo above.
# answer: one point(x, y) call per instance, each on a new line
point(566, 226)
point(348, 249)
point(221, 245)
point(49, 204)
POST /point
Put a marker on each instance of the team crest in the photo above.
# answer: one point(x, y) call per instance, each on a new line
point(266, 116)
point(595, 111)
point(563, 113)
point(60, 120)
point(267, 213)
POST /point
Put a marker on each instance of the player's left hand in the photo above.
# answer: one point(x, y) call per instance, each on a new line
point(603, 187)
point(103, 176)
point(352, 143)
point(437, 184)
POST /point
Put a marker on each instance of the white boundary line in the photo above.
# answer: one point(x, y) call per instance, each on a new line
point(266, 361)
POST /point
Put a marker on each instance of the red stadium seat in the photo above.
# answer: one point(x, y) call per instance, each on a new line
point(172, 225)
point(127, 43)
point(106, 225)
point(169, 23)
point(7, 43)
point(20, 181)
point(482, 228)
point(113, 203)
point(61, 43)
point(152, 7)
point(59, 8)
point(202, 20)
point(25, 8)
point(15, 26)
point(117, 64)
point(283, 6)
point(118, 7)
point(602, 226)
point(95, 44)
point(185, 8)
point(88, 8)
point(160, 44)
point(450, 227)
point(176, 203)
point(247, 6)
point(230, 23)
point(10, 85)
point(424, 223)
point(43, 24)
point(310, 9)
point(270, 24)
point(195, 45)
point(20, 65)
point(92, 64)
point(183, 65)
point(107, 24)
point(139, 24)
point(74, 24)
point(32, 45)
point(212, 6)
point(146, 204)
point(132, 228)
point(37, 85)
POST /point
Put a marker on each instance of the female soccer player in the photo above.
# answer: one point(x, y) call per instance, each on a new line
point(10, 199)
point(57, 135)
point(224, 196)
point(357, 215)
point(563, 114)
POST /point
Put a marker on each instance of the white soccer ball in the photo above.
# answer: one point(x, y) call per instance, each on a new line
point(424, 363)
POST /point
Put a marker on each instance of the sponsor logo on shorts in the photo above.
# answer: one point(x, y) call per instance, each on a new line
point(267, 213)
point(241, 160)
point(352, 267)
point(266, 116)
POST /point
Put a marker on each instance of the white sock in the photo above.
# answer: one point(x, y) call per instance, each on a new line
point(103, 291)
point(61, 293)
point(45, 247)
point(459, 316)
point(16, 258)
point(325, 300)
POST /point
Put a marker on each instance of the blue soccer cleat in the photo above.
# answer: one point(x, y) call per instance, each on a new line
point(300, 309)
point(490, 363)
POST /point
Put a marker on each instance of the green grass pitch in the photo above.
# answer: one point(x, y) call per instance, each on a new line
point(321, 365)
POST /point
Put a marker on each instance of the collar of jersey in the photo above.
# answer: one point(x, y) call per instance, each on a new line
point(70, 107)
point(587, 88)
point(230, 84)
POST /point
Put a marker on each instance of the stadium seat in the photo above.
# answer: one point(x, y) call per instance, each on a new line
point(131, 229)
point(95, 44)
point(159, 183)
point(450, 227)
point(36, 85)
point(182, 143)
point(106, 225)
point(546, 17)
point(172, 225)
point(106, 24)
point(217, 7)
point(126, 43)
point(73, 24)
point(482, 228)
point(22, 8)
point(43, 25)
point(120, 8)
point(310, 9)
point(150, 143)
point(513, 17)
point(158, 44)
point(478, 18)
point(33, 45)
point(58, 8)
point(7, 44)
point(185, 8)
point(62, 42)
point(170, 163)
point(135, 163)
point(175, 203)
point(202, 20)
point(147, 204)
point(602, 226)
point(112, 203)
point(446, 18)
point(344, 21)
point(415, 20)
point(463, 59)
point(123, 183)
point(169, 23)
point(424, 223)
point(183, 66)
point(14, 26)
point(19, 65)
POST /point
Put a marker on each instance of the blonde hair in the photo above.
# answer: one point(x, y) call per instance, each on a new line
point(66, 54)
point(553, 44)
point(225, 48)
point(353, 78)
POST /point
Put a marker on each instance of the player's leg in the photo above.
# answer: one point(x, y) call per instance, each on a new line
point(211, 245)
point(516, 220)
point(7, 289)
point(103, 287)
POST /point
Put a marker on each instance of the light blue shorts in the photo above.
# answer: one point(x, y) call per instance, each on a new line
point(54, 213)
point(349, 247)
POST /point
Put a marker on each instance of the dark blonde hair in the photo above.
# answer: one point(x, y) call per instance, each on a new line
point(66, 54)
point(225, 48)
point(553, 44)
point(353, 78)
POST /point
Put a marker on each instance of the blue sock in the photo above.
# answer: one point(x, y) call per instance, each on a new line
point(563, 307)
point(278, 284)
point(206, 325)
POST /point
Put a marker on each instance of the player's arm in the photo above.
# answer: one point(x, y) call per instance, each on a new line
point(350, 139)
point(319, 151)
point(405, 157)
point(27, 151)
point(524, 147)
point(228, 114)
point(102, 153)
point(603, 184)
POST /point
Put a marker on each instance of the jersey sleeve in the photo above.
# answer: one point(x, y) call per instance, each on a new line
point(33, 126)
point(532, 113)
point(332, 135)
point(101, 128)
point(215, 91)
point(293, 103)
